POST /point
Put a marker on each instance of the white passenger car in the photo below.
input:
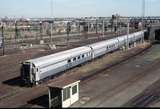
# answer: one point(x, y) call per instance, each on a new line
point(104, 47)
point(35, 70)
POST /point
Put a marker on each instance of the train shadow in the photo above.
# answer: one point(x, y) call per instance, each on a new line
point(156, 42)
point(41, 101)
point(17, 81)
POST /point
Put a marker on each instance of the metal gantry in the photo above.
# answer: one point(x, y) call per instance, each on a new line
point(3, 43)
point(143, 15)
point(16, 31)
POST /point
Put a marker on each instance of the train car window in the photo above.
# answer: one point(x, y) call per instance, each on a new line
point(107, 47)
point(83, 56)
point(74, 59)
point(79, 57)
point(69, 61)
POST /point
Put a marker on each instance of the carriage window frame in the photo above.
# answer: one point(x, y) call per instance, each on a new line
point(74, 59)
point(82, 55)
point(69, 61)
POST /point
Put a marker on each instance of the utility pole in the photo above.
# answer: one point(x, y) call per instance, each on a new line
point(127, 34)
point(119, 30)
point(79, 28)
point(3, 44)
point(16, 31)
point(41, 36)
point(88, 27)
point(68, 31)
point(103, 28)
point(51, 32)
point(117, 25)
point(143, 15)
point(96, 26)
point(40, 23)
point(85, 29)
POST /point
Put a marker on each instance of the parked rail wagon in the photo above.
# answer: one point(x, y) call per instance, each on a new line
point(34, 71)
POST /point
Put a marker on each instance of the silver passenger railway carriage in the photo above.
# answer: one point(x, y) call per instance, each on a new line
point(35, 70)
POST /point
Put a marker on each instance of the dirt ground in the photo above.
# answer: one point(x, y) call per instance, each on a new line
point(133, 83)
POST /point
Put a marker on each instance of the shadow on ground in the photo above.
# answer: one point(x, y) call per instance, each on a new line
point(17, 81)
point(41, 101)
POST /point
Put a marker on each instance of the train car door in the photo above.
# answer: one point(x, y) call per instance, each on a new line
point(92, 53)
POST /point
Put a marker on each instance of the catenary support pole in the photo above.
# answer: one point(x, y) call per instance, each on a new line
point(3, 44)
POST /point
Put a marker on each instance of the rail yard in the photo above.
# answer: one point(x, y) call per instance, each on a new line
point(80, 62)
point(11, 87)
point(104, 80)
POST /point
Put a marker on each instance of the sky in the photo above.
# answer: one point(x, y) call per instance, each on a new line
point(77, 8)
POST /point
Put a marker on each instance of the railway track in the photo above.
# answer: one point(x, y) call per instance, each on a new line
point(117, 63)
point(121, 86)
point(9, 71)
point(129, 81)
point(148, 97)
point(46, 89)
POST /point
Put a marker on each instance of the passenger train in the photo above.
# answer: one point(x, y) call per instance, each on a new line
point(35, 70)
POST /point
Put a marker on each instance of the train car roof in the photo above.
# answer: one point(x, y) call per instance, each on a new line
point(139, 32)
point(60, 56)
point(107, 42)
point(102, 43)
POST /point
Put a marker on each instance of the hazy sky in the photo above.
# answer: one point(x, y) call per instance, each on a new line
point(77, 8)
